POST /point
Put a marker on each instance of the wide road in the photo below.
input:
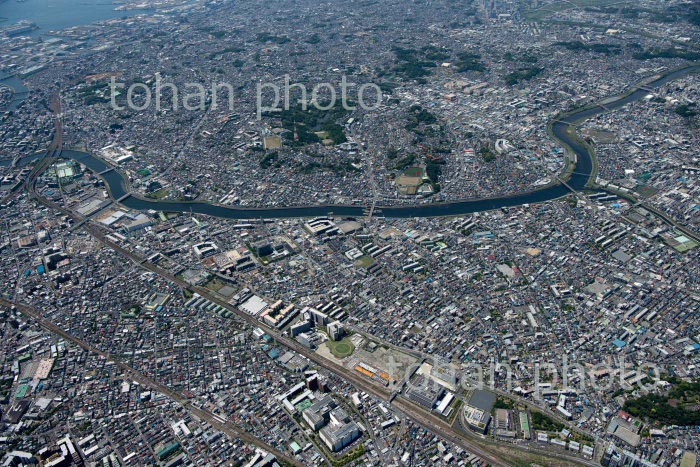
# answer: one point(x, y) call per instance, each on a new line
point(408, 408)
point(49, 158)
point(228, 428)
point(577, 178)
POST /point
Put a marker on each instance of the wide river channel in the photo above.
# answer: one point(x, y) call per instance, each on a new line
point(578, 180)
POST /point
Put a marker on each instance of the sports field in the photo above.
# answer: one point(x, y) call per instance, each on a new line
point(364, 262)
point(413, 172)
point(342, 348)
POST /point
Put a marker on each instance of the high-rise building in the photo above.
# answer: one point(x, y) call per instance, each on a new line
point(336, 331)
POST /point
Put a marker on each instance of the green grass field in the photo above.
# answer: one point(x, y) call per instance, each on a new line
point(364, 262)
point(413, 172)
point(342, 348)
point(159, 194)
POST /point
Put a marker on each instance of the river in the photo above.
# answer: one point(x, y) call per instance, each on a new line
point(19, 91)
point(578, 181)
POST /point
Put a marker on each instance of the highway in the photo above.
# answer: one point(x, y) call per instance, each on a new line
point(577, 177)
point(476, 446)
point(52, 153)
point(228, 428)
point(487, 449)
point(480, 447)
point(408, 408)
